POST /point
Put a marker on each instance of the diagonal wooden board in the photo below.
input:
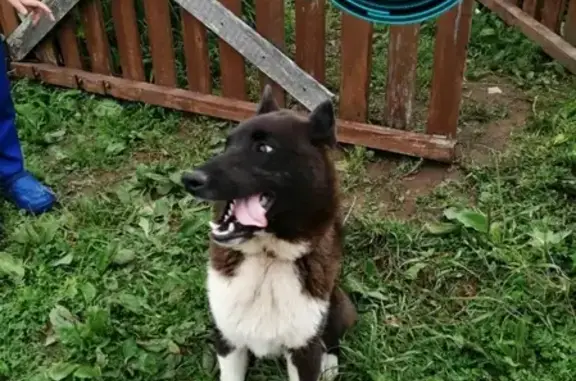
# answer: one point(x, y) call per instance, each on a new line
point(550, 42)
point(259, 51)
point(26, 36)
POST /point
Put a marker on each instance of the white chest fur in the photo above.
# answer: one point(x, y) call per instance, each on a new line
point(263, 307)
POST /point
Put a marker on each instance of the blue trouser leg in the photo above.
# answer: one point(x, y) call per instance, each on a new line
point(11, 160)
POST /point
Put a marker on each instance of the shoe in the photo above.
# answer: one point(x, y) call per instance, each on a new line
point(28, 194)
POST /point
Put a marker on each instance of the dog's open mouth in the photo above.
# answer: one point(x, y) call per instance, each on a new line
point(241, 218)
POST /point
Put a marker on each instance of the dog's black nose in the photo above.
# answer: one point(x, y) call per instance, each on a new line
point(194, 181)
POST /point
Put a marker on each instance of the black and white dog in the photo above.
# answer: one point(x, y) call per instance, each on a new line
point(276, 243)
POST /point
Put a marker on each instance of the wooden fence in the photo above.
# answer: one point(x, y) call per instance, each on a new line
point(58, 59)
point(549, 23)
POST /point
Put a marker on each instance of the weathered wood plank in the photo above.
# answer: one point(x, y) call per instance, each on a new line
point(26, 36)
point(356, 61)
point(311, 37)
point(452, 35)
point(197, 55)
point(161, 41)
point(402, 62)
point(45, 51)
point(260, 52)
point(570, 25)
point(382, 138)
point(96, 38)
point(128, 37)
point(68, 43)
point(270, 24)
point(550, 42)
point(232, 65)
point(8, 18)
point(551, 11)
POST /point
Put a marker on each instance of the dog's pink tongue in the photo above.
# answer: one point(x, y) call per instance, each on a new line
point(249, 212)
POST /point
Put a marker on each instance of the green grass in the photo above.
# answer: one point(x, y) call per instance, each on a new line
point(111, 285)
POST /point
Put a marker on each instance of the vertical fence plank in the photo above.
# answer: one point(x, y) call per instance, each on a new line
point(96, 39)
point(452, 35)
point(532, 7)
point(46, 51)
point(270, 24)
point(311, 37)
point(570, 26)
point(402, 62)
point(551, 11)
point(161, 41)
point(69, 43)
point(232, 68)
point(356, 47)
point(196, 53)
point(8, 18)
point(128, 37)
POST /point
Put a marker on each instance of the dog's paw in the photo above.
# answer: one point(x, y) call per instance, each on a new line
point(329, 367)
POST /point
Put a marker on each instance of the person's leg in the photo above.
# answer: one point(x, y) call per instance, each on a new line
point(17, 185)
point(11, 160)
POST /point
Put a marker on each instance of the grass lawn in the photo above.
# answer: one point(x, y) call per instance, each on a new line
point(476, 285)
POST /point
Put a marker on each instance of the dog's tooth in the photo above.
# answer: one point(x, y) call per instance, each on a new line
point(213, 225)
point(230, 228)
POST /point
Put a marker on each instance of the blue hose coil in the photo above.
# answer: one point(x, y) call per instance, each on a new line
point(395, 12)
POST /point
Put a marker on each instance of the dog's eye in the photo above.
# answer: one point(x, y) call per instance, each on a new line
point(265, 148)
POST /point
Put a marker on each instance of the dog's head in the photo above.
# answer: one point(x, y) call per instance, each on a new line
point(274, 175)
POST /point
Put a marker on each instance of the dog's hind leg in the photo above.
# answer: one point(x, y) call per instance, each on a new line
point(305, 364)
point(233, 362)
point(341, 316)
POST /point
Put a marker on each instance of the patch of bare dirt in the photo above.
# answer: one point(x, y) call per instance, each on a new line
point(395, 183)
point(87, 182)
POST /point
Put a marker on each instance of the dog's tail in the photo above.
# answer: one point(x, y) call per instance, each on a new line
point(345, 309)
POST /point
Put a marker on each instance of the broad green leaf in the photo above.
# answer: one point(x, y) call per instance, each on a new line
point(154, 345)
point(61, 317)
point(89, 291)
point(440, 228)
point(64, 261)
point(61, 370)
point(469, 218)
point(131, 302)
point(496, 232)
point(415, 269)
point(547, 238)
point(124, 256)
point(85, 371)
point(145, 225)
point(11, 267)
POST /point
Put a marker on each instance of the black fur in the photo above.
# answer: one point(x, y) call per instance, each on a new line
point(308, 360)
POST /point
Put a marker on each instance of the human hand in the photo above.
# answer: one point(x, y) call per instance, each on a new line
point(36, 7)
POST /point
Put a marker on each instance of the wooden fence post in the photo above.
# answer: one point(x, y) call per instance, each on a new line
point(196, 54)
point(402, 66)
point(311, 37)
point(270, 24)
point(232, 65)
point(356, 53)
point(128, 37)
point(96, 38)
point(450, 53)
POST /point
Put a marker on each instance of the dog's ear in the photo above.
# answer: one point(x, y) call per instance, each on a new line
point(323, 125)
point(267, 103)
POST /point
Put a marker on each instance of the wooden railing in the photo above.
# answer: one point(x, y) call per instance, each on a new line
point(549, 23)
point(97, 62)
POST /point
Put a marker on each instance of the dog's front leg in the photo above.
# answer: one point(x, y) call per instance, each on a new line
point(305, 364)
point(233, 362)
